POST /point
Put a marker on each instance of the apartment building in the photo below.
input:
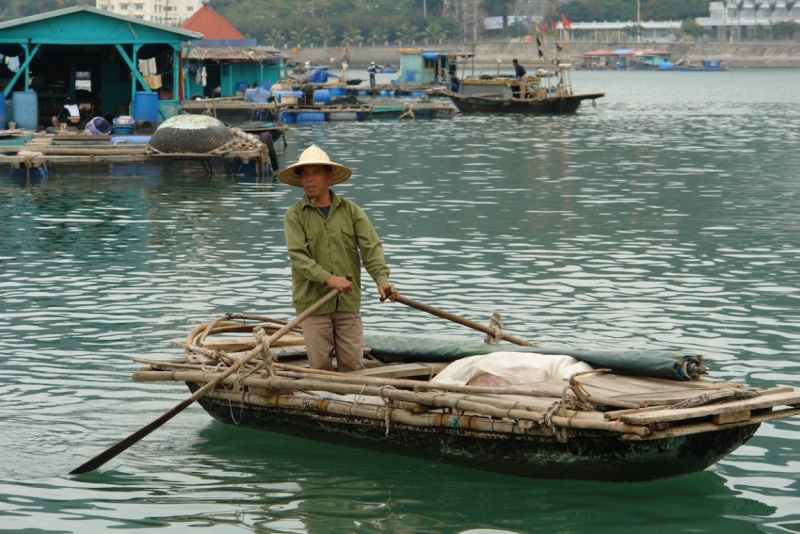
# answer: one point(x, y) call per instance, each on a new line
point(173, 12)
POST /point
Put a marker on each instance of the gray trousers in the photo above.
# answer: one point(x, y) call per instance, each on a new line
point(339, 334)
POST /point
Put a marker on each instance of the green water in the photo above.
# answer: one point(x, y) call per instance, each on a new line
point(664, 217)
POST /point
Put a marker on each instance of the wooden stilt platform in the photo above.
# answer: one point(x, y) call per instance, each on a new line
point(41, 151)
point(290, 111)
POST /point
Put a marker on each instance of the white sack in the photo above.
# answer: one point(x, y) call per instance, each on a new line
point(510, 368)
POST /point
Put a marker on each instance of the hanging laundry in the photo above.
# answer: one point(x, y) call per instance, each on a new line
point(147, 67)
point(154, 82)
point(12, 63)
point(203, 76)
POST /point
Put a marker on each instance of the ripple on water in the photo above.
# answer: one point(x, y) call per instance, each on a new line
point(654, 220)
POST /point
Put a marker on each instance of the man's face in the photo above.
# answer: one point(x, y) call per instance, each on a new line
point(315, 180)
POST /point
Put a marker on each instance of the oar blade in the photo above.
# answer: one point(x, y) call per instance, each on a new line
point(121, 446)
point(124, 444)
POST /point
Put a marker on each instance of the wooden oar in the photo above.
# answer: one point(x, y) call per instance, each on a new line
point(462, 321)
point(116, 449)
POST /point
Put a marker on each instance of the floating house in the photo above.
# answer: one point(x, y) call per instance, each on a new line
point(109, 64)
point(625, 59)
point(224, 62)
point(637, 58)
point(598, 59)
point(424, 66)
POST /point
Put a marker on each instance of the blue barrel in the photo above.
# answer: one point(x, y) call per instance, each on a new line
point(338, 91)
point(322, 95)
point(145, 106)
point(288, 118)
point(310, 116)
point(25, 108)
point(241, 86)
point(3, 112)
point(264, 84)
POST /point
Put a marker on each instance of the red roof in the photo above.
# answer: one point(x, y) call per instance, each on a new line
point(597, 53)
point(211, 25)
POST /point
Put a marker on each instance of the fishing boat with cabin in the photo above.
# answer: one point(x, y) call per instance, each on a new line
point(549, 92)
point(502, 95)
point(502, 404)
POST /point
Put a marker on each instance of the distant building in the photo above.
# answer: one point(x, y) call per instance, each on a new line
point(652, 31)
point(172, 12)
point(724, 19)
point(224, 59)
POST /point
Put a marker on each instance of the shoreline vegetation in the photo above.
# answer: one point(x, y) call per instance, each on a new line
point(738, 55)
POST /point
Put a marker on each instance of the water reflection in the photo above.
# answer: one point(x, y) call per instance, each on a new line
point(238, 478)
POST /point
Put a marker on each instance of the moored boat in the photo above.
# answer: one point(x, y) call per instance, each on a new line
point(541, 412)
point(706, 65)
point(507, 95)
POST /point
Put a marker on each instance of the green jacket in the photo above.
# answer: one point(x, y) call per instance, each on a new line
point(320, 246)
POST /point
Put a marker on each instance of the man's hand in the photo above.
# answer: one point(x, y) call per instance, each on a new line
point(339, 282)
point(388, 291)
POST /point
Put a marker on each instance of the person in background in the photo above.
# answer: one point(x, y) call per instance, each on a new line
point(455, 83)
point(69, 115)
point(372, 69)
point(522, 76)
point(308, 94)
point(329, 237)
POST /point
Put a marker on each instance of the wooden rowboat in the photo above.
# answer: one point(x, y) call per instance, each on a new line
point(604, 425)
point(550, 105)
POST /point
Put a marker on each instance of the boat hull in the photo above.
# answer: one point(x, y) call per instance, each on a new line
point(536, 106)
point(588, 455)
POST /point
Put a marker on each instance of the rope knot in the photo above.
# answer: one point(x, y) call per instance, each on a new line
point(496, 324)
point(266, 355)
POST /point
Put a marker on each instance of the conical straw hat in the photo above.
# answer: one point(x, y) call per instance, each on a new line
point(313, 155)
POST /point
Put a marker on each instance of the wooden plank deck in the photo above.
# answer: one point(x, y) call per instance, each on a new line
point(83, 149)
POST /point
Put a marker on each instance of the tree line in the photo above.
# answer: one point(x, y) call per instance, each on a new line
point(414, 22)
point(15, 9)
point(328, 23)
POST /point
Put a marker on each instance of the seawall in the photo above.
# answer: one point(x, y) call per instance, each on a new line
point(738, 55)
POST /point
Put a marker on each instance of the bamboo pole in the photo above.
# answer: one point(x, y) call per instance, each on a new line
point(470, 423)
point(478, 390)
point(462, 321)
point(581, 420)
point(706, 426)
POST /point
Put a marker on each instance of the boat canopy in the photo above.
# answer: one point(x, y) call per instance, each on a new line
point(666, 364)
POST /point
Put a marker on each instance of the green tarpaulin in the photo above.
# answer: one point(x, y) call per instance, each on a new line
point(653, 363)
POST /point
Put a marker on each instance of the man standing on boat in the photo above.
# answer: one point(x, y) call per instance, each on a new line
point(372, 69)
point(329, 237)
point(522, 76)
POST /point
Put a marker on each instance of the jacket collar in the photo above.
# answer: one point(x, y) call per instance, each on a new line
point(335, 201)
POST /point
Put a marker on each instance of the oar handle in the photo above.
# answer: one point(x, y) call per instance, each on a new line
point(462, 321)
point(122, 445)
